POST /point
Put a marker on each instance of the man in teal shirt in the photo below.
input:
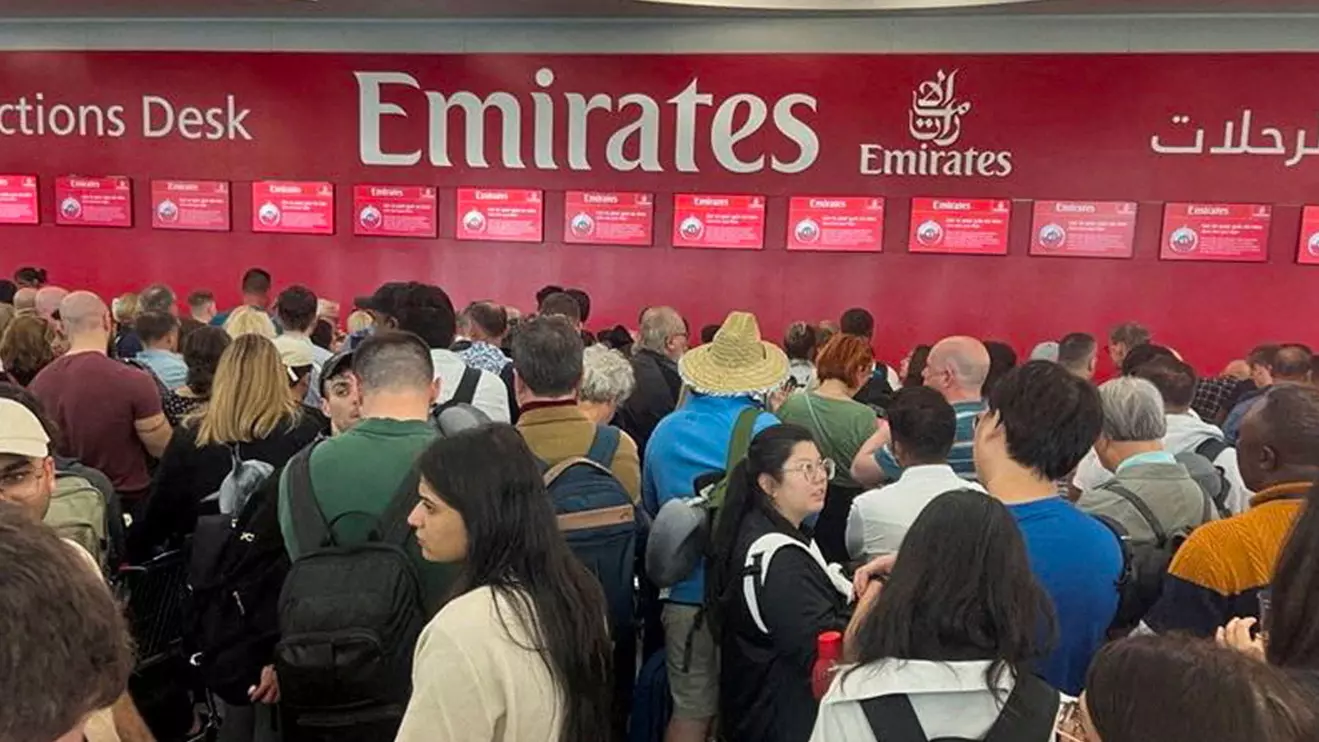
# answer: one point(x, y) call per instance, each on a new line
point(360, 472)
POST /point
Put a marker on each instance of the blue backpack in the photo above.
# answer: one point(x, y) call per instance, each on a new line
point(599, 520)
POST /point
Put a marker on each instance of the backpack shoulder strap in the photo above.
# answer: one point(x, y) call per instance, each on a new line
point(756, 569)
point(467, 386)
point(892, 719)
point(604, 445)
point(743, 430)
point(1030, 713)
point(1160, 535)
point(1211, 449)
point(554, 472)
point(394, 521)
point(309, 525)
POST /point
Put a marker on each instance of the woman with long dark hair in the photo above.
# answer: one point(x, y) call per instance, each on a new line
point(769, 594)
point(1182, 689)
point(522, 652)
point(947, 642)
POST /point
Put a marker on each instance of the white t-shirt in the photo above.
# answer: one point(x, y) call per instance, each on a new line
point(491, 394)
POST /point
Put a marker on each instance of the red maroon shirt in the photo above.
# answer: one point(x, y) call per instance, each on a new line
point(95, 401)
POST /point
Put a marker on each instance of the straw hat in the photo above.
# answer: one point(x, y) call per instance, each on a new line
point(736, 362)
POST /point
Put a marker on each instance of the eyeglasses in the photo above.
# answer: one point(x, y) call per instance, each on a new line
point(814, 470)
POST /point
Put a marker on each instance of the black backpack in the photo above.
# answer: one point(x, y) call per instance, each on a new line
point(1029, 715)
point(349, 618)
point(599, 521)
point(1143, 564)
point(236, 570)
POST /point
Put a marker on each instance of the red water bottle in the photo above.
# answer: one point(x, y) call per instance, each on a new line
point(828, 651)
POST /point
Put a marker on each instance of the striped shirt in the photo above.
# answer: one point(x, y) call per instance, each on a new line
point(960, 458)
point(1220, 570)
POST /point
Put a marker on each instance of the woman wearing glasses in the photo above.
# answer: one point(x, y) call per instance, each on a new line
point(769, 593)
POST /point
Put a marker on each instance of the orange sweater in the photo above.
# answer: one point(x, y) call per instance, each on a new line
point(1219, 571)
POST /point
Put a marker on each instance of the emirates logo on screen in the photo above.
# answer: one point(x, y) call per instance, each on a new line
point(935, 122)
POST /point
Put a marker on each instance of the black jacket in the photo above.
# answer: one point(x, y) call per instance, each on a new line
point(765, 681)
point(187, 474)
point(656, 394)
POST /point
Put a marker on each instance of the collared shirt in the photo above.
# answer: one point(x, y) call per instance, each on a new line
point(1212, 395)
point(881, 517)
point(555, 431)
point(484, 356)
point(1220, 570)
point(491, 395)
point(1149, 457)
point(167, 365)
point(691, 441)
point(960, 458)
point(952, 700)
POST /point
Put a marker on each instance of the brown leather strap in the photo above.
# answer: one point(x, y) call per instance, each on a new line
point(601, 518)
point(562, 466)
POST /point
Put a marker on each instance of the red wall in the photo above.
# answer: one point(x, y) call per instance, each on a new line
point(1076, 127)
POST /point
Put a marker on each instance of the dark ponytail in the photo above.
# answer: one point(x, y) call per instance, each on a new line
point(769, 451)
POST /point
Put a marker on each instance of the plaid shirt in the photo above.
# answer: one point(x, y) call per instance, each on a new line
point(1213, 395)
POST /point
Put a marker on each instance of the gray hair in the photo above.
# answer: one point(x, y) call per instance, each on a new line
point(607, 377)
point(658, 324)
point(1133, 410)
point(156, 298)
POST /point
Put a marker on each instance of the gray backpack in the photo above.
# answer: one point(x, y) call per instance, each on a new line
point(1211, 477)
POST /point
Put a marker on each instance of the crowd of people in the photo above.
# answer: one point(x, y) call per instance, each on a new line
point(419, 523)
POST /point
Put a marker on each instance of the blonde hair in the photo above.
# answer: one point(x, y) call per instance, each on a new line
point(250, 395)
point(124, 308)
point(249, 321)
point(359, 320)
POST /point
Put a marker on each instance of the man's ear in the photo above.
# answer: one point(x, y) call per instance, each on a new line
point(435, 389)
point(1268, 458)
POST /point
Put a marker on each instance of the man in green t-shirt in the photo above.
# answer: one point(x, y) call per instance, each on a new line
point(360, 471)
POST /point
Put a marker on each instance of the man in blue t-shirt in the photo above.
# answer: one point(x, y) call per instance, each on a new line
point(724, 378)
point(1041, 421)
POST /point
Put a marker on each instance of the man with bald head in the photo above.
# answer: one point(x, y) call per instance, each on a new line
point(48, 299)
point(957, 369)
point(1288, 364)
point(109, 412)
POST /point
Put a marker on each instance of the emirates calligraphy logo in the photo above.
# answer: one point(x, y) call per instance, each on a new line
point(936, 114)
point(934, 121)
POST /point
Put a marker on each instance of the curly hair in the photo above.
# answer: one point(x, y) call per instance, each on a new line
point(26, 347)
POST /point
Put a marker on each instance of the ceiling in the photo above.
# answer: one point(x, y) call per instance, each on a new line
point(412, 9)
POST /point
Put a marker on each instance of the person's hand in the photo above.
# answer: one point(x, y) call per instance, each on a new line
point(871, 571)
point(777, 398)
point(267, 691)
point(1236, 635)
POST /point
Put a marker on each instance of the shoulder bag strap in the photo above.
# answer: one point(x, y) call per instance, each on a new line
point(1211, 449)
point(1030, 713)
point(892, 719)
point(467, 386)
point(309, 525)
point(1159, 533)
point(604, 445)
point(743, 430)
point(815, 418)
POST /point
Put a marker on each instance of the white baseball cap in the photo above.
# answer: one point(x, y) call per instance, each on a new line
point(21, 433)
